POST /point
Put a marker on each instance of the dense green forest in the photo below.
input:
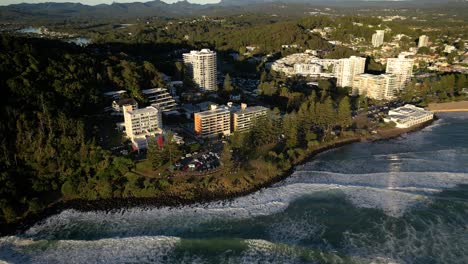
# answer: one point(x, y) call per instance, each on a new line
point(51, 90)
point(223, 36)
point(48, 152)
point(267, 33)
point(441, 88)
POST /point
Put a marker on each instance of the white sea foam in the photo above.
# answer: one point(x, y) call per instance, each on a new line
point(293, 230)
point(433, 241)
point(435, 124)
point(115, 250)
point(262, 251)
point(394, 193)
point(144, 249)
point(387, 180)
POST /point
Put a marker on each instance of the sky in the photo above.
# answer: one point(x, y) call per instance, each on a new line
point(95, 2)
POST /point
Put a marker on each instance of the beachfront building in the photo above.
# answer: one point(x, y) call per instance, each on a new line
point(402, 67)
point(141, 123)
point(213, 122)
point(378, 38)
point(160, 98)
point(408, 116)
point(378, 87)
point(347, 69)
point(245, 118)
point(201, 65)
point(423, 41)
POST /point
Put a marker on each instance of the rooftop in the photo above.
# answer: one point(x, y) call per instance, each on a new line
point(218, 110)
point(407, 111)
point(202, 52)
point(376, 76)
point(251, 109)
point(153, 90)
point(146, 110)
point(112, 93)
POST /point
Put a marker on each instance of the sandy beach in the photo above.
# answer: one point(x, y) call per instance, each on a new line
point(461, 106)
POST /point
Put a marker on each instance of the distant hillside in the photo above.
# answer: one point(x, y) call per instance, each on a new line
point(114, 10)
point(54, 11)
point(336, 2)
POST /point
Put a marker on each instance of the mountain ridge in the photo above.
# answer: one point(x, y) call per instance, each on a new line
point(53, 10)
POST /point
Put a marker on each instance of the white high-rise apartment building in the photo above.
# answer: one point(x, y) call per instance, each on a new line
point(347, 69)
point(403, 69)
point(379, 87)
point(140, 123)
point(423, 41)
point(202, 66)
point(378, 38)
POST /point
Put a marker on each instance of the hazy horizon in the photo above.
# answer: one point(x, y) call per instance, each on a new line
point(97, 2)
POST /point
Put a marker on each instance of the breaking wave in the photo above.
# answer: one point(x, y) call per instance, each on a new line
point(393, 193)
point(398, 201)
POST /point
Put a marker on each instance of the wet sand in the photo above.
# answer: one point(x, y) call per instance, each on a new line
point(461, 106)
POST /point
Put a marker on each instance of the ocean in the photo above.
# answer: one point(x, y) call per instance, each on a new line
point(403, 200)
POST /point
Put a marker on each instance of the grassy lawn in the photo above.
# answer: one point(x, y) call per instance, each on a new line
point(145, 168)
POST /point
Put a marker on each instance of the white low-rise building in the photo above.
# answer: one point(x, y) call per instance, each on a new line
point(305, 64)
point(160, 98)
point(307, 69)
point(116, 95)
point(408, 116)
point(449, 48)
point(141, 123)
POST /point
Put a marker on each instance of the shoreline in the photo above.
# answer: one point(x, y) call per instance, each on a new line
point(450, 111)
point(449, 107)
point(200, 197)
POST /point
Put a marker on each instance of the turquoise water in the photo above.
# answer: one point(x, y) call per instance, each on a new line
point(398, 201)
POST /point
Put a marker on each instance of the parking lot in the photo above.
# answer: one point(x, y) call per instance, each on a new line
point(200, 162)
